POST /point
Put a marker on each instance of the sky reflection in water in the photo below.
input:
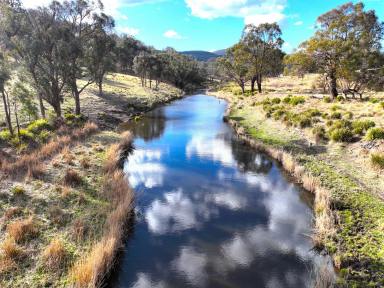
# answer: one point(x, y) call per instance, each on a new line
point(210, 211)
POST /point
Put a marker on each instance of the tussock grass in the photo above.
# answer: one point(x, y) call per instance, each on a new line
point(377, 160)
point(90, 270)
point(72, 178)
point(310, 183)
point(18, 190)
point(21, 230)
point(54, 255)
point(31, 164)
point(10, 250)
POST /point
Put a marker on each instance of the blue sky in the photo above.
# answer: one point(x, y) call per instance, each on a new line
point(215, 24)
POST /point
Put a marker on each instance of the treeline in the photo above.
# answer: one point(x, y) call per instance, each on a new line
point(345, 50)
point(45, 51)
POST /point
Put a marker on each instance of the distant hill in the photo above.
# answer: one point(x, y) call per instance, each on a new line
point(201, 55)
point(220, 52)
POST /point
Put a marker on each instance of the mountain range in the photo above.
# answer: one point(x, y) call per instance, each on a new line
point(204, 56)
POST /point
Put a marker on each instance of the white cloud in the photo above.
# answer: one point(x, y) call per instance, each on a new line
point(172, 34)
point(298, 23)
point(253, 11)
point(128, 30)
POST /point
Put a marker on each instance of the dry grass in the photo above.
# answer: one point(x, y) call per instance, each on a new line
point(67, 156)
point(55, 254)
point(72, 178)
point(10, 250)
point(310, 183)
point(12, 212)
point(90, 270)
point(79, 229)
point(21, 230)
point(85, 162)
point(31, 164)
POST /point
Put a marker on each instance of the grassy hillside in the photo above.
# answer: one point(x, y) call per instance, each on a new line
point(65, 202)
point(336, 145)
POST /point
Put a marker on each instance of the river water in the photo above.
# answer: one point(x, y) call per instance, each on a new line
point(210, 211)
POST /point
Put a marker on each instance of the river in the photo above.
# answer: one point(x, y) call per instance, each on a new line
point(210, 211)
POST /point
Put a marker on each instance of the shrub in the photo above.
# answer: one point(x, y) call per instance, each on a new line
point(374, 100)
point(313, 112)
point(276, 101)
point(327, 99)
point(43, 136)
point(18, 190)
point(377, 160)
point(382, 104)
point(340, 98)
point(335, 108)
point(304, 121)
point(25, 135)
point(22, 230)
point(329, 123)
point(5, 135)
point(341, 135)
point(375, 133)
point(295, 100)
point(319, 133)
point(348, 115)
point(287, 100)
point(39, 125)
point(361, 126)
point(336, 115)
point(278, 114)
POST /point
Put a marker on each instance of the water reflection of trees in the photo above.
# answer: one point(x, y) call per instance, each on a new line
point(250, 160)
point(150, 126)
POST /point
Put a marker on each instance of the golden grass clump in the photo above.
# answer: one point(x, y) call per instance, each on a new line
point(55, 254)
point(288, 163)
point(9, 249)
point(22, 230)
point(85, 162)
point(72, 178)
point(310, 183)
point(67, 156)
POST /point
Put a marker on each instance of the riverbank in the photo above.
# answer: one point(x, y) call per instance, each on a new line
point(348, 188)
point(63, 212)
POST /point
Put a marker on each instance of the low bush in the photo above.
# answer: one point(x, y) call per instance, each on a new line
point(348, 115)
point(327, 99)
point(39, 125)
point(382, 104)
point(320, 133)
point(18, 190)
point(278, 114)
point(276, 101)
point(361, 126)
point(377, 160)
point(335, 108)
point(340, 98)
point(374, 100)
point(341, 135)
point(287, 99)
point(5, 135)
point(336, 115)
point(25, 135)
point(295, 100)
point(375, 133)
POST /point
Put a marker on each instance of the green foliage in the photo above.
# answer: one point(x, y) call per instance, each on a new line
point(25, 135)
point(374, 134)
point(295, 100)
point(361, 126)
point(341, 135)
point(348, 115)
point(5, 135)
point(287, 99)
point(39, 125)
point(377, 160)
point(340, 98)
point(276, 101)
point(382, 105)
point(336, 115)
point(374, 100)
point(319, 132)
point(335, 108)
point(327, 99)
point(18, 190)
point(74, 120)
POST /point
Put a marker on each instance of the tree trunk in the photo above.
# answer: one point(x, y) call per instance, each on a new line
point(100, 84)
point(17, 119)
point(253, 81)
point(7, 114)
point(42, 108)
point(57, 108)
point(333, 85)
point(76, 94)
point(242, 86)
point(259, 83)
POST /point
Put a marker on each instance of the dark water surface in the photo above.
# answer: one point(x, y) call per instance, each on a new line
point(211, 212)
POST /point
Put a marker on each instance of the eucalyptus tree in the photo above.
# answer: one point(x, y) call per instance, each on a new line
point(262, 43)
point(4, 78)
point(345, 44)
point(127, 48)
point(235, 65)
